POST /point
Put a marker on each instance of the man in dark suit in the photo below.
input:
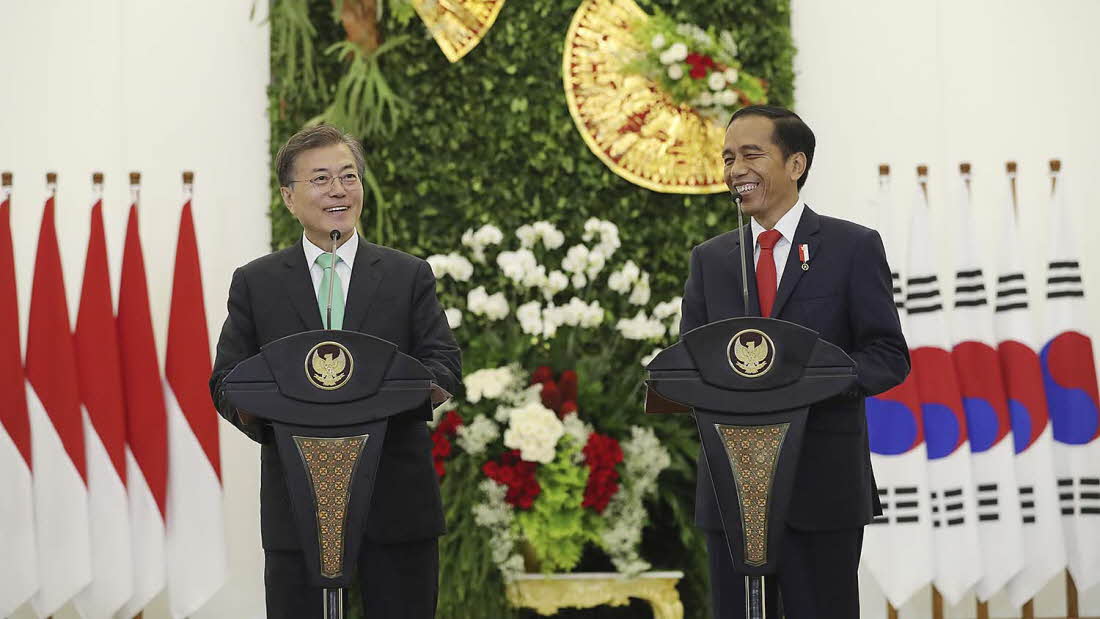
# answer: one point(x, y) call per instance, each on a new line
point(829, 275)
point(379, 291)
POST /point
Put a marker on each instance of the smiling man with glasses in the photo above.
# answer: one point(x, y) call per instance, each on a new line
point(377, 290)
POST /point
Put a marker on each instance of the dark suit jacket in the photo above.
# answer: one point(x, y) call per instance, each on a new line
point(391, 296)
point(847, 297)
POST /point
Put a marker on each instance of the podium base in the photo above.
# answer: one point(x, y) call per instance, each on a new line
point(332, 603)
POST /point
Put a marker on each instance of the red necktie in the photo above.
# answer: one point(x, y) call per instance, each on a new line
point(765, 271)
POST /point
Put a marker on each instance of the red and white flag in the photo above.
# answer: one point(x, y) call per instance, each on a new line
point(197, 564)
point(897, 547)
point(954, 513)
point(988, 424)
point(146, 427)
point(100, 372)
point(57, 434)
point(1069, 377)
point(1033, 440)
point(19, 564)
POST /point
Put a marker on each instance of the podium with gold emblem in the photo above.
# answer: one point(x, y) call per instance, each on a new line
point(750, 383)
point(328, 396)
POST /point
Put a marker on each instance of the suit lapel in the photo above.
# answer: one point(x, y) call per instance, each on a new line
point(806, 232)
point(366, 276)
point(735, 263)
point(300, 288)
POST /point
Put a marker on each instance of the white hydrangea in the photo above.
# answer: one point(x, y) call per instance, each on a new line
point(494, 306)
point(517, 265)
point(678, 52)
point(716, 81)
point(675, 71)
point(607, 232)
point(650, 357)
point(454, 317)
point(530, 234)
point(530, 317)
point(455, 265)
point(641, 293)
point(491, 383)
point(534, 430)
point(475, 436)
point(641, 327)
point(482, 238)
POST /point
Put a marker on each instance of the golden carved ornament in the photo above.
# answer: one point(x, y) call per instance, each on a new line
point(627, 120)
point(549, 593)
point(331, 465)
point(458, 25)
point(753, 453)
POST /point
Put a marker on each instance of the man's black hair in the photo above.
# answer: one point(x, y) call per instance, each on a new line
point(791, 134)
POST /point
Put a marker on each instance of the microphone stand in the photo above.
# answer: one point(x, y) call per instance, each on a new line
point(754, 585)
point(335, 236)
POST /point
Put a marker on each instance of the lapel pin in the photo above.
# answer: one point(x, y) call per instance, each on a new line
point(804, 256)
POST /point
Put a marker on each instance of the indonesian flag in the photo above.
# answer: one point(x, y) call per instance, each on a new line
point(19, 566)
point(57, 434)
point(1069, 376)
point(1033, 441)
point(146, 431)
point(954, 514)
point(988, 425)
point(897, 548)
point(97, 358)
point(196, 537)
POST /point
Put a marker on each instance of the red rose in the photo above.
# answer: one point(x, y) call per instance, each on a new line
point(542, 374)
point(517, 475)
point(568, 408)
point(602, 451)
point(449, 424)
point(698, 72)
point(708, 62)
point(693, 59)
point(551, 395)
point(568, 384)
point(441, 447)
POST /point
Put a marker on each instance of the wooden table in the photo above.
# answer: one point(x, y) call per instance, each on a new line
point(549, 593)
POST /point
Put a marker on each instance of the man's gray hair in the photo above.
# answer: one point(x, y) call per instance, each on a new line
point(310, 138)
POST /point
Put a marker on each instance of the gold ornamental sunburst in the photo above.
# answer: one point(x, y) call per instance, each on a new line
point(458, 25)
point(627, 121)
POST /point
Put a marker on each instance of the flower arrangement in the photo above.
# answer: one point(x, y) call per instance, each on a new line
point(545, 443)
point(695, 67)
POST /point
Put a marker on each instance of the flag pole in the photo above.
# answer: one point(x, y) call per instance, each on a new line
point(1072, 611)
point(1027, 611)
point(883, 177)
point(135, 189)
point(937, 597)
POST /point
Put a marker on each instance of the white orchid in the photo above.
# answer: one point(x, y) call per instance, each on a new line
point(454, 317)
point(517, 265)
point(640, 294)
point(650, 357)
point(668, 308)
point(482, 238)
point(454, 265)
point(640, 327)
point(491, 383)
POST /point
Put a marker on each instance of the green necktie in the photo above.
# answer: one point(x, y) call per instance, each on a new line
point(325, 260)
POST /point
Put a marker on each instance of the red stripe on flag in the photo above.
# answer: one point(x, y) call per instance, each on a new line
point(97, 356)
point(51, 362)
point(187, 366)
point(146, 419)
point(13, 394)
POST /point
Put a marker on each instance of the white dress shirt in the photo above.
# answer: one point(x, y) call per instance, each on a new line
point(786, 226)
point(345, 252)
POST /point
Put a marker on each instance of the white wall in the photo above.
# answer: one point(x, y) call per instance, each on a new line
point(938, 83)
point(157, 87)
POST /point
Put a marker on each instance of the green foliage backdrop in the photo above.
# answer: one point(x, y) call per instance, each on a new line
point(490, 140)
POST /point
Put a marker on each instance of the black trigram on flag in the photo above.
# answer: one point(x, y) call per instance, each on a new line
point(923, 295)
point(969, 288)
point(987, 503)
point(948, 509)
point(1011, 292)
point(899, 298)
point(1064, 279)
point(1082, 497)
point(1027, 504)
point(900, 505)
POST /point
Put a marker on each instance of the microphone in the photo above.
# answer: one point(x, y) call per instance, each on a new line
point(744, 265)
point(335, 236)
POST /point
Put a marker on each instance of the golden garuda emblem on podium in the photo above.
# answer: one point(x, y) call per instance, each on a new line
point(622, 104)
point(329, 366)
point(751, 353)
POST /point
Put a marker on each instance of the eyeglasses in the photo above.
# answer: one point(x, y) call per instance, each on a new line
point(323, 182)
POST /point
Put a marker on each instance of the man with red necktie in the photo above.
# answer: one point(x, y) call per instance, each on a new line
point(846, 295)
